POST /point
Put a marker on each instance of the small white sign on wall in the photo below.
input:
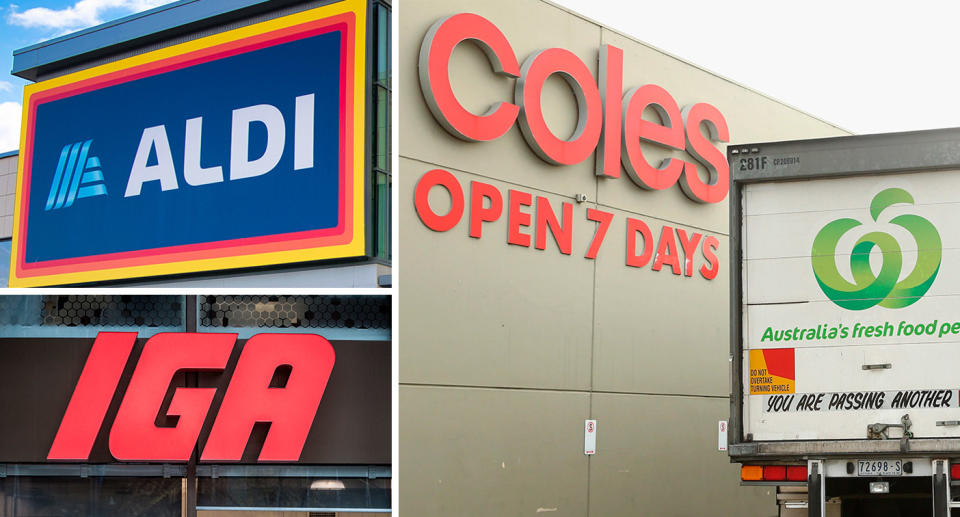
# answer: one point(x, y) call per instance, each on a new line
point(590, 437)
point(722, 435)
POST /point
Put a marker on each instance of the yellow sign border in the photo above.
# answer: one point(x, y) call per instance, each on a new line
point(356, 247)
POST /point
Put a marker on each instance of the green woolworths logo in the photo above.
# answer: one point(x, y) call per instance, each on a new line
point(882, 289)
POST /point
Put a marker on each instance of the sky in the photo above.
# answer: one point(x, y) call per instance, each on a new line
point(868, 67)
point(27, 22)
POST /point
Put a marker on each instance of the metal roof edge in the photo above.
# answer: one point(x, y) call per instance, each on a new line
point(877, 153)
point(95, 28)
point(8, 154)
point(130, 31)
point(940, 134)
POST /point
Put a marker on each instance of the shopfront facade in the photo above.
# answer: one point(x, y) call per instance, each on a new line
point(564, 324)
point(141, 405)
point(206, 143)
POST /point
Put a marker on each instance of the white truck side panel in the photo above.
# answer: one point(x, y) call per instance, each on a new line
point(838, 370)
point(816, 346)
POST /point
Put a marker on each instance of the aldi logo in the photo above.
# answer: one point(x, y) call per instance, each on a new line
point(77, 176)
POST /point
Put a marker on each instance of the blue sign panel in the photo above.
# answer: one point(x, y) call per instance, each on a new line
point(169, 212)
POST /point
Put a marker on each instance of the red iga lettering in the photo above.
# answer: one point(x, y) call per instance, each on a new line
point(546, 219)
point(604, 218)
point(633, 227)
point(435, 54)
point(88, 405)
point(689, 246)
point(250, 399)
point(421, 199)
point(534, 73)
point(516, 218)
point(480, 214)
point(135, 435)
point(710, 246)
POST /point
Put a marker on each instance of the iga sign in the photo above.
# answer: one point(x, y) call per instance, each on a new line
point(241, 149)
point(607, 122)
point(250, 397)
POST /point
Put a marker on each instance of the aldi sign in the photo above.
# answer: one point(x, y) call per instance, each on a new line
point(240, 149)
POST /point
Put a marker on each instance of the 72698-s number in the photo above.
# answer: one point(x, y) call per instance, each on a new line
point(879, 467)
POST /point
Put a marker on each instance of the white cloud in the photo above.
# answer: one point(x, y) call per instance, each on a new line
point(9, 126)
point(6, 86)
point(84, 13)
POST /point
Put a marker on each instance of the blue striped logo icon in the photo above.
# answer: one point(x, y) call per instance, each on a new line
point(78, 176)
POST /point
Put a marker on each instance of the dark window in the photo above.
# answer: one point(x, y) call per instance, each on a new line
point(79, 315)
point(335, 317)
point(382, 151)
point(92, 496)
point(5, 246)
point(304, 494)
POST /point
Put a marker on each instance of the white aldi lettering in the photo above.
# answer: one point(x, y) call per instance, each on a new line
point(154, 142)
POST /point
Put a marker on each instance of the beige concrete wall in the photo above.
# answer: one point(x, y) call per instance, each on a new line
point(8, 189)
point(506, 350)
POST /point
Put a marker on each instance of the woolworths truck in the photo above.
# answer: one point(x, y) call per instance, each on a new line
point(845, 329)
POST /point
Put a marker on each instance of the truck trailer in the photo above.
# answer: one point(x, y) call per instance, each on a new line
point(845, 323)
